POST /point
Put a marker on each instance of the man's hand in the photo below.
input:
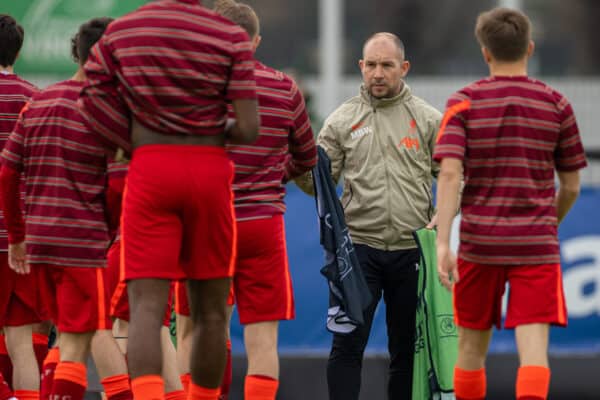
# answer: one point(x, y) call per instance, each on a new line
point(434, 221)
point(447, 268)
point(16, 258)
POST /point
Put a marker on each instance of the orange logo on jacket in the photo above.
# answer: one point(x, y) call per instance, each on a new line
point(409, 143)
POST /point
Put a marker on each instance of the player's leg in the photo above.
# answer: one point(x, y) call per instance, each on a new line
point(208, 259)
point(151, 243)
point(477, 307)
point(184, 333)
point(25, 368)
point(173, 386)
point(346, 357)
point(264, 294)
point(81, 310)
point(184, 343)
point(111, 366)
point(400, 280)
point(41, 332)
point(536, 300)
point(147, 300)
point(208, 306)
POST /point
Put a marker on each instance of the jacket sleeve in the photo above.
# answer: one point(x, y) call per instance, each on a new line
point(434, 126)
point(303, 150)
point(327, 139)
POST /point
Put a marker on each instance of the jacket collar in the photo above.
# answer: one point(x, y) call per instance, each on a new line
point(401, 97)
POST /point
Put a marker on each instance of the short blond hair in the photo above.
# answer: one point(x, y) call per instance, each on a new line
point(239, 13)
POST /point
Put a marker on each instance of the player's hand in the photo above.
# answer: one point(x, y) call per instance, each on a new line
point(447, 267)
point(434, 221)
point(16, 258)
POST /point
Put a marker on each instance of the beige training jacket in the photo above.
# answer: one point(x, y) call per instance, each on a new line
point(383, 149)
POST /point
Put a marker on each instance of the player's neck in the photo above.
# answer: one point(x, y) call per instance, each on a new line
point(508, 69)
point(79, 75)
point(6, 70)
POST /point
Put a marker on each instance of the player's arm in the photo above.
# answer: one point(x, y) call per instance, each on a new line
point(243, 129)
point(102, 106)
point(302, 146)
point(568, 192)
point(241, 92)
point(450, 151)
point(10, 202)
point(569, 158)
point(327, 139)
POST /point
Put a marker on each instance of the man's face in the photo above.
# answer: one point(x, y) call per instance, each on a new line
point(383, 68)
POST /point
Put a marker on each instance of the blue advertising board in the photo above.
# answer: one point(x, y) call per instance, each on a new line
point(580, 251)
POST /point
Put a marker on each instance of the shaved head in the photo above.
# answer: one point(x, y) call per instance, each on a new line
point(386, 36)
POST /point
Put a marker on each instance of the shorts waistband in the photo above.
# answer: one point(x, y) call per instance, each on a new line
point(180, 149)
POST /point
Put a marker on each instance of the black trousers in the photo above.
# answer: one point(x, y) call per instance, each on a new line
point(395, 275)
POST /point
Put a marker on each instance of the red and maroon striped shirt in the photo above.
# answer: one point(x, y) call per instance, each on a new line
point(511, 133)
point(64, 168)
point(171, 64)
point(285, 147)
point(14, 94)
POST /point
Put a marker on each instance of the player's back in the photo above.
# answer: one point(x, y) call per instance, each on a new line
point(175, 60)
point(514, 127)
point(515, 132)
point(65, 178)
point(260, 167)
point(14, 95)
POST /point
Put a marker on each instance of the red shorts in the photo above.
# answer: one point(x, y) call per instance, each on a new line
point(178, 218)
point(77, 298)
point(262, 283)
point(20, 302)
point(536, 295)
point(119, 301)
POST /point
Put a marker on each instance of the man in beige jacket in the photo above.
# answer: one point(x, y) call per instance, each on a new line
point(382, 141)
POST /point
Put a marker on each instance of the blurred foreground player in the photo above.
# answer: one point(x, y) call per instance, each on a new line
point(19, 301)
point(284, 150)
point(64, 235)
point(509, 134)
point(158, 86)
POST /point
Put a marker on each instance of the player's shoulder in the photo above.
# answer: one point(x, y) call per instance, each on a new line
point(424, 108)
point(68, 89)
point(17, 85)
point(272, 76)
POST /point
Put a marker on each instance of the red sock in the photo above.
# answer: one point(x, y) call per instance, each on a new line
point(260, 387)
point(148, 387)
point(47, 373)
point(5, 392)
point(70, 381)
point(27, 394)
point(185, 381)
point(5, 363)
point(117, 387)
point(40, 347)
point(202, 393)
point(176, 395)
point(469, 385)
point(226, 384)
point(533, 382)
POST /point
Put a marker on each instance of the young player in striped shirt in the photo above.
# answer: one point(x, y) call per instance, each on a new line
point(19, 301)
point(64, 235)
point(507, 134)
point(284, 150)
point(158, 86)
